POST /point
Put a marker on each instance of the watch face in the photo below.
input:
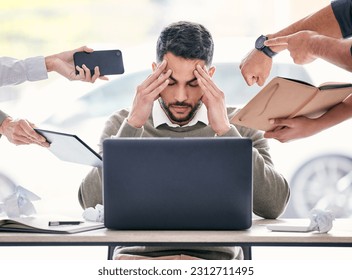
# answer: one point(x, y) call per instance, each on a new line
point(259, 43)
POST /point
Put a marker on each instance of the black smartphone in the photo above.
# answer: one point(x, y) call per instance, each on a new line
point(109, 61)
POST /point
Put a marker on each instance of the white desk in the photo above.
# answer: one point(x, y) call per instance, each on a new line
point(257, 235)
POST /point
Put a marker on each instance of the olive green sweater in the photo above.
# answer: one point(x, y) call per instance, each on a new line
point(270, 189)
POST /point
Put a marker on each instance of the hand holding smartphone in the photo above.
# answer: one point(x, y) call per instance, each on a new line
point(110, 62)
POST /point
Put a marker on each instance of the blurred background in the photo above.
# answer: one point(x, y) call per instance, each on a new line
point(318, 168)
point(41, 27)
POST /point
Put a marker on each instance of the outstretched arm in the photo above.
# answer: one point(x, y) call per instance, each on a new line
point(256, 66)
point(301, 127)
point(63, 64)
point(20, 132)
point(323, 22)
point(306, 46)
point(15, 71)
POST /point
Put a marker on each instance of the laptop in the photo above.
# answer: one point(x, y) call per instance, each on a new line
point(71, 148)
point(177, 183)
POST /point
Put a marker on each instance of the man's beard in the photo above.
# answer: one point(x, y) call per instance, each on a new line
point(173, 118)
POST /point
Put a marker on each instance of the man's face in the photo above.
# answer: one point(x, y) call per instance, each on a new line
point(182, 97)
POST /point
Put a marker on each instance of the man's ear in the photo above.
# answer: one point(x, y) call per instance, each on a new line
point(154, 66)
point(211, 71)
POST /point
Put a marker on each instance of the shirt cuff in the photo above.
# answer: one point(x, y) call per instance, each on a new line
point(233, 132)
point(3, 116)
point(127, 130)
point(36, 68)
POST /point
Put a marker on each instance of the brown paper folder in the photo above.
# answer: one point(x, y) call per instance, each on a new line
point(288, 98)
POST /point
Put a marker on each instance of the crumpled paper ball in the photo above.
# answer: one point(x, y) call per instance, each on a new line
point(17, 201)
point(95, 214)
point(321, 220)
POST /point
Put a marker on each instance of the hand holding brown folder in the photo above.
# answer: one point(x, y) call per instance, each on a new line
point(288, 98)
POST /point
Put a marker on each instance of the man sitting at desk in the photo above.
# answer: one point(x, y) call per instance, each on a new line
point(179, 99)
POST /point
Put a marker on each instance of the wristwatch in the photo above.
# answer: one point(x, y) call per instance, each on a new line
point(259, 45)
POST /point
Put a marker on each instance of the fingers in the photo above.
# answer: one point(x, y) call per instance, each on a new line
point(153, 85)
point(205, 82)
point(272, 134)
point(255, 68)
point(147, 93)
point(83, 49)
point(250, 80)
point(159, 89)
point(21, 132)
point(283, 131)
point(157, 81)
point(27, 134)
point(87, 74)
point(155, 88)
point(84, 74)
point(87, 49)
point(155, 75)
point(97, 75)
point(80, 75)
point(104, 78)
point(277, 133)
point(278, 41)
point(282, 122)
point(282, 135)
point(260, 80)
point(214, 99)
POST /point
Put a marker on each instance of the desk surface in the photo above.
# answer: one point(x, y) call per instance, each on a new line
point(257, 235)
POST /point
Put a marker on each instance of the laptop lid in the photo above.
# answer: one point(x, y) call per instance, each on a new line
point(177, 183)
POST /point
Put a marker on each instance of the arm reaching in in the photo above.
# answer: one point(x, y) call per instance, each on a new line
point(62, 63)
point(21, 132)
point(300, 127)
point(306, 46)
point(256, 66)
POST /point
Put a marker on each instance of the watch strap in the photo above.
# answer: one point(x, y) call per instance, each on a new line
point(269, 52)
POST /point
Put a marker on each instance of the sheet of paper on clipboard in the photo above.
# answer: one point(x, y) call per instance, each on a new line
point(71, 148)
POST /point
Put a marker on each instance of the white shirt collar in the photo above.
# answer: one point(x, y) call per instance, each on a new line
point(159, 116)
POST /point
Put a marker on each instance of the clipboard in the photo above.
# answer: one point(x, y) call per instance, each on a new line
point(71, 148)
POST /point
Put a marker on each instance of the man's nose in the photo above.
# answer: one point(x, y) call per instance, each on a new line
point(181, 94)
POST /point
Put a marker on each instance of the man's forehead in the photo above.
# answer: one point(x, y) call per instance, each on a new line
point(182, 68)
point(178, 60)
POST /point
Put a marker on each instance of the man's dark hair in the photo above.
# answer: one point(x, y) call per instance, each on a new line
point(186, 39)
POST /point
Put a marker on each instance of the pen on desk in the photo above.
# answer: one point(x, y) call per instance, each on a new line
point(64, 223)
